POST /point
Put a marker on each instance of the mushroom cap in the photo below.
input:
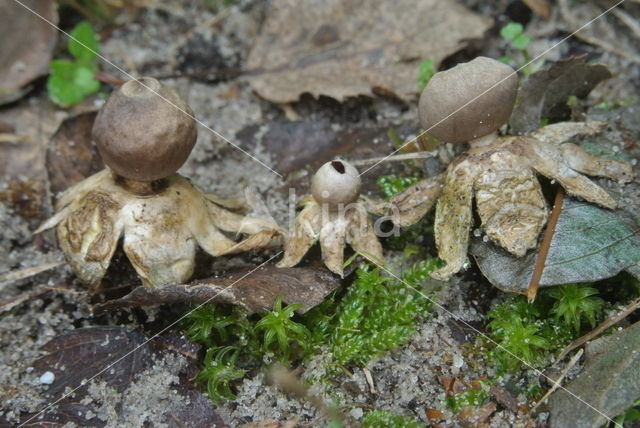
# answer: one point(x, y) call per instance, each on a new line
point(142, 131)
point(442, 106)
point(336, 182)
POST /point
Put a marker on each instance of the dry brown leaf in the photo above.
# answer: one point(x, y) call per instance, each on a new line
point(254, 290)
point(542, 8)
point(71, 154)
point(544, 94)
point(617, 32)
point(26, 44)
point(360, 47)
point(115, 356)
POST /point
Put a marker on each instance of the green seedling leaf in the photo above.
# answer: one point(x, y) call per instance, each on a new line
point(590, 243)
point(609, 382)
point(521, 42)
point(83, 44)
point(511, 31)
point(426, 71)
point(69, 83)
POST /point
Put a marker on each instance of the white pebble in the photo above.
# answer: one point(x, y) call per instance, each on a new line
point(47, 378)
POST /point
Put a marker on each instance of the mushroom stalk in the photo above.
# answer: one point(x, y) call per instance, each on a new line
point(482, 142)
point(142, 188)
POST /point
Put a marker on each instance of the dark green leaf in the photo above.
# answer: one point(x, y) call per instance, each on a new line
point(590, 243)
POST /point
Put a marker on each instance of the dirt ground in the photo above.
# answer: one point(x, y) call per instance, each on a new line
point(406, 379)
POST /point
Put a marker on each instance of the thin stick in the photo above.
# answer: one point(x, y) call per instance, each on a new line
point(17, 275)
point(404, 156)
point(534, 284)
point(557, 383)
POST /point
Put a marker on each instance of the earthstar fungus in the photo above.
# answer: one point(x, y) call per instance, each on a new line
point(335, 214)
point(469, 103)
point(144, 133)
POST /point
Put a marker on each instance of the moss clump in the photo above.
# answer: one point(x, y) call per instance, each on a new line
point(375, 313)
point(527, 334)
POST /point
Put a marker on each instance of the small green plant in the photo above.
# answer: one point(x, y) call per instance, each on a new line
point(520, 344)
point(576, 304)
point(391, 185)
point(377, 313)
point(473, 397)
point(519, 42)
point(386, 419)
point(528, 333)
point(70, 82)
point(281, 333)
point(523, 334)
point(219, 371)
point(426, 70)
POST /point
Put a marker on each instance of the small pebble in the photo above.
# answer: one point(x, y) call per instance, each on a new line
point(47, 378)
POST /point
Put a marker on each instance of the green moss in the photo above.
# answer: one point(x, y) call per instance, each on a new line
point(576, 305)
point(281, 334)
point(527, 334)
point(391, 185)
point(385, 419)
point(377, 313)
point(374, 314)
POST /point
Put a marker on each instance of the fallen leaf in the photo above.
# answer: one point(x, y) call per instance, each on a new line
point(542, 8)
point(609, 382)
point(544, 94)
point(617, 32)
point(590, 243)
point(22, 164)
point(435, 416)
point(26, 44)
point(81, 354)
point(361, 47)
point(301, 147)
point(255, 291)
point(71, 155)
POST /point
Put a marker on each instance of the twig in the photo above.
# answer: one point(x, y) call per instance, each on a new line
point(611, 321)
point(17, 275)
point(534, 284)
point(10, 303)
point(369, 377)
point(556, 384)
point(405, 156)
